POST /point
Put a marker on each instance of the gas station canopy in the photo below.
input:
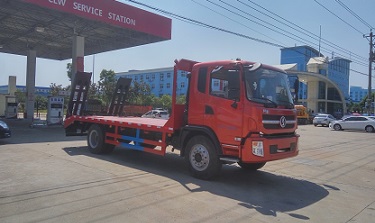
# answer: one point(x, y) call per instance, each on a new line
point(48, 26)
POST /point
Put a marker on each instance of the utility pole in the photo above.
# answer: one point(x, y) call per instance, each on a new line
point(371, 59)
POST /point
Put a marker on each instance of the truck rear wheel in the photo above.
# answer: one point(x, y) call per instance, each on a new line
point(251, 166)
point(95, 141)
point(202, 158)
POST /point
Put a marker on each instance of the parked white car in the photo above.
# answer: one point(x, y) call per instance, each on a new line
point(354, 122)
point(156, 114)
point(323, 119)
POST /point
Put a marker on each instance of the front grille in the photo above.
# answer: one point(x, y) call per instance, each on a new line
point(273, 121)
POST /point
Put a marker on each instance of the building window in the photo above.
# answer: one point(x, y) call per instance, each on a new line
point(182, 85)
point(322, 90)
point(153, 76)
point(168, 85)
point(161, 86)
point(216, 83)
point(153, 86)
point(147, 77)
point(168, 75)
point(161, 77)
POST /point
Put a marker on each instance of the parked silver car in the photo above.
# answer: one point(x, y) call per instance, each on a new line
point(323, 119)
point(354, 122)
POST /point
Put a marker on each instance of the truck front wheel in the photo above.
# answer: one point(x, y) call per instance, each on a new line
point(202, 158)
point(95, 141)
point(251, 166)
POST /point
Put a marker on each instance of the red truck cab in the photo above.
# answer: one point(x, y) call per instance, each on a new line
point(243, 110)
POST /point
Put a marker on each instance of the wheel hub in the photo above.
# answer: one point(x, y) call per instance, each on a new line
point(199, 157)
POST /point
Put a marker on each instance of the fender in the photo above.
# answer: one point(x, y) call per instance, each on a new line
point(189, 131)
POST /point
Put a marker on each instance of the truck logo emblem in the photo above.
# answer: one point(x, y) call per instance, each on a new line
point(282, 121)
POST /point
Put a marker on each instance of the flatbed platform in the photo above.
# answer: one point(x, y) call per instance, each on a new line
point(138, 122)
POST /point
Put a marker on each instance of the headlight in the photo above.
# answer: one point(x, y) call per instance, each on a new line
point(257, 148)
point(4, 125)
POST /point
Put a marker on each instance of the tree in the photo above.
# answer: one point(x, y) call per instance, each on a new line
point(41, 102)
point(107, 85)
point(55, 89)
point(21, 99)
point(140, 94)
point(363, 102)
point(93, 91)
point(181, 99)
point(69, 71)
point(166, 101)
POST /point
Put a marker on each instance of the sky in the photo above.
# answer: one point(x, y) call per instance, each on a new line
point(342, 34)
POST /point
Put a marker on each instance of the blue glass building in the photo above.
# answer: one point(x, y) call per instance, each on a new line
point(358, 93)
point(338, 72)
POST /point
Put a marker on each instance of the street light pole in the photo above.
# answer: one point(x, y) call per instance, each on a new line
point(371, 59)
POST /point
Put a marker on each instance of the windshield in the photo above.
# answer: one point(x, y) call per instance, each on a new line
point(268, 87)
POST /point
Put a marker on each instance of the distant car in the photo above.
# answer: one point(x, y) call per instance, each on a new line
point(4, 130)
point(156, 114)
point(355, 123)
point(323, 119)
point(160, 109)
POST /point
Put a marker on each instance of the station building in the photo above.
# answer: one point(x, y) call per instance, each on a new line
point(324, 82)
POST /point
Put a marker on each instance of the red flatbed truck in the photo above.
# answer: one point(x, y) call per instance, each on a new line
point(235, 111)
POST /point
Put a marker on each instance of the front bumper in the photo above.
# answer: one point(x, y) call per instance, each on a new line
point(267, 148)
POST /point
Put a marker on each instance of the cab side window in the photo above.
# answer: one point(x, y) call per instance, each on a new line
point(225, 83)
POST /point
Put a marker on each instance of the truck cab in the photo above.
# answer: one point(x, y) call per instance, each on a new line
point(244, 109)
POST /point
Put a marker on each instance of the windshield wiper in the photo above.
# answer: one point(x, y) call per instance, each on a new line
point(269, 104)
point(289, 104)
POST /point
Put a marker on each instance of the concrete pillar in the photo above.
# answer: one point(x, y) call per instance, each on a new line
point(78, 53)
point(312, 98)
point(12, 85)
point(30, 83)
point(326, 97)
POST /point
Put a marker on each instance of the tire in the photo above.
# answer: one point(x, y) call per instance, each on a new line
point(251, 166)
point(337, 127)
point(95, 141)
point(315, 125)
point(369, 128)
point(202, 158)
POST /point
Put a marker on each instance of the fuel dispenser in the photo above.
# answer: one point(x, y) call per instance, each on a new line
point(55, 110)
point(11, 109)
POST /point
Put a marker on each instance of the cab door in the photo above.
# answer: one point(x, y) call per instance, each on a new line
point(223, 111)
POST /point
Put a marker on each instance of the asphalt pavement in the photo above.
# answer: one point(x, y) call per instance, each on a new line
point(47, 177)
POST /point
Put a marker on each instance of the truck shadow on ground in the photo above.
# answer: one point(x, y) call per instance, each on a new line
point(263, 191)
